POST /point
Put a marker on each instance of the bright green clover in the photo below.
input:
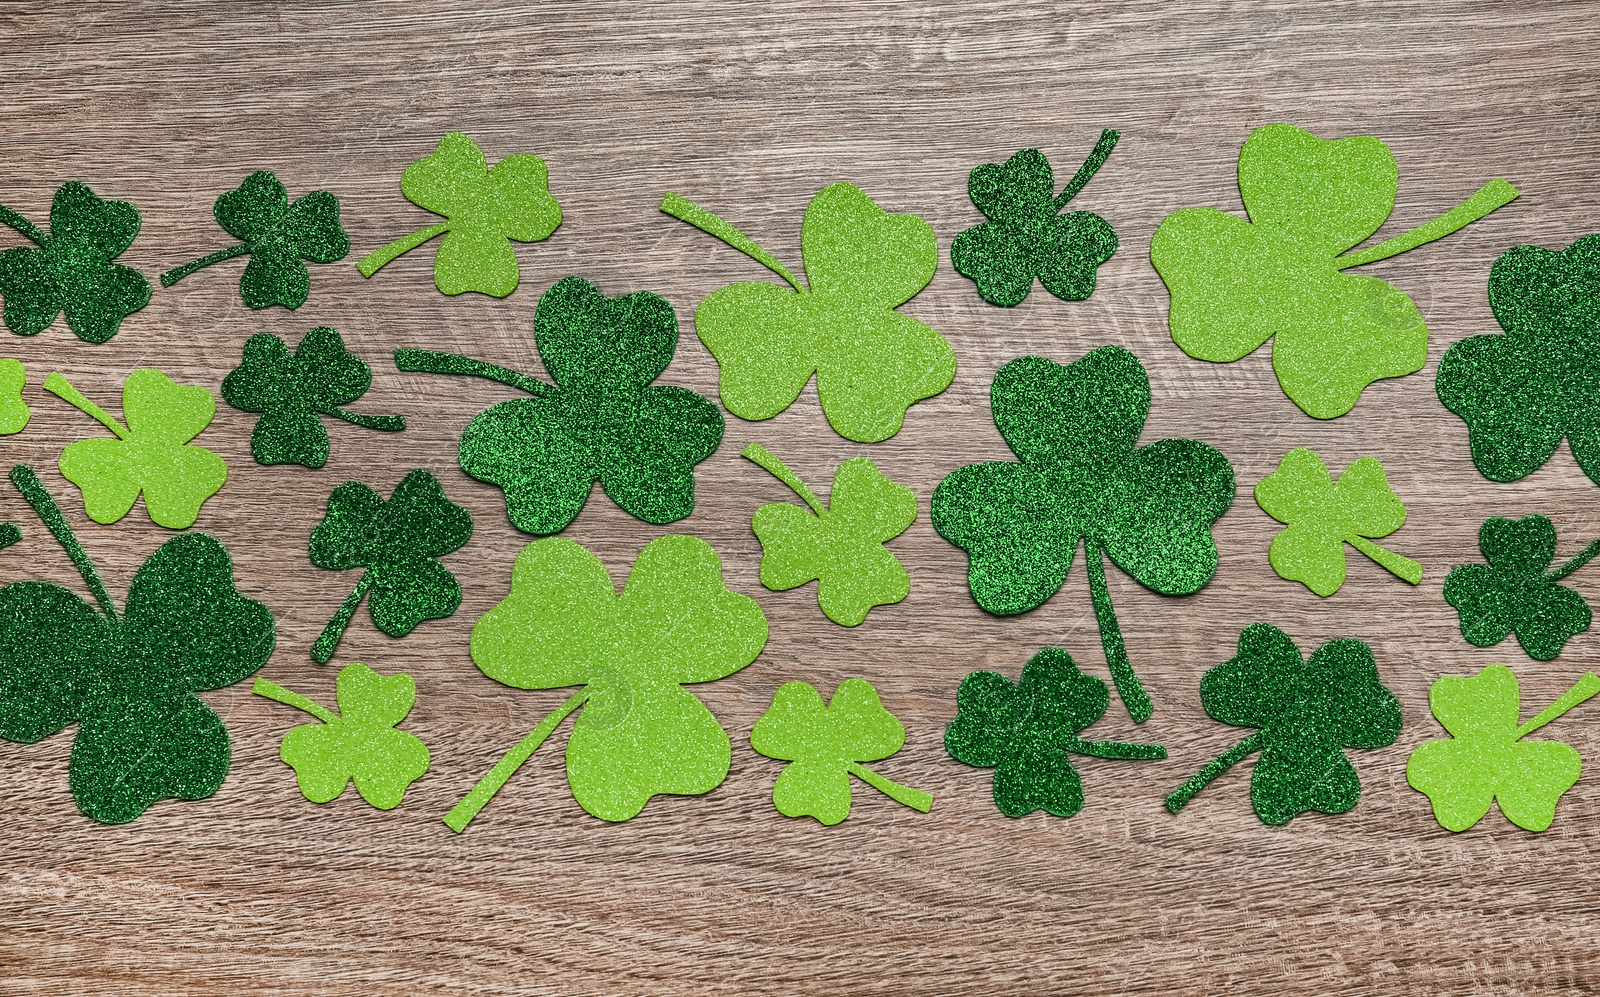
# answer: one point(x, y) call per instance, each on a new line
point(1516, 592)
point(14, 413)
point(485, 208)
point(640, 732)
point(871, 362)
point(1235, 283)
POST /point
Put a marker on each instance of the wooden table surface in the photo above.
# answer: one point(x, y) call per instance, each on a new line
point(749, 109)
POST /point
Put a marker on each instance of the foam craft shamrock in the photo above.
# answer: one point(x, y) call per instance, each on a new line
point(1027, 236)
point(871, 362)
point(1323, 516)
point(359, 743)
point(640, 731)
point(826, 744)
point(841, 548)
point(277, 236)
point(1307, 711)
point(14, 413)
point(1081, 478)
point(1516, 592)
point(129, 681)
point(1235, 283)
point(484, 209)
point(292, 392)
point(398, 542)
point(151, 454)
point(1521, 392)
point(602, 420)
point(71, 271)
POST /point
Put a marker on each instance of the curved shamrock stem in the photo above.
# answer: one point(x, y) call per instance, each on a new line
point(383, 423)
point(274, 691)
point(1568, 568)
point(34, 492)
point(1492, 195)
point(21, 224)
point(761, 455)
point(1116, 750)
point(61, 388)
point(326, 644)
point(176, 274)
point(371, 264)
point(1586, 689)
point(1091, 166)
point(462, 813)
point(916, 799)
point(688, 211)
point(1218, 765)
point(1127, 683)
point(1396, 564)
point(435, 362)
point(10, 533)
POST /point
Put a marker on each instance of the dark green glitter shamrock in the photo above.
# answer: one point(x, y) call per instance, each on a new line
point(71, 271)
point(1516, 592)
point(277, 236)
point(292, 391)
point(602, 420)
point(1027, 236)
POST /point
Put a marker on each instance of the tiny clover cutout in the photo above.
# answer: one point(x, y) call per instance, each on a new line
point(1307, 713)
point(840, 545)
point(1516, 592)
point(1027, 236)
point(277, 236)
point(484, 207)
point(14, 412)
point(602, 420)
point(1235, 283)
point(1082, 479)
point(872, 362)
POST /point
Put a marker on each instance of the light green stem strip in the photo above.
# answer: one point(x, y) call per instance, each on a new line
point(688, 211)
point(59, 386)
point(1397, 564)
point(287, 697)
point(761, 455)
point(1492, 195)
point(375, 261)
point(461, 815)
point(1586, 688)
point(916, 799)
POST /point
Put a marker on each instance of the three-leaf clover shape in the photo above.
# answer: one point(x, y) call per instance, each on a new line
point(484, 207)
point(1280, 276)
point(1516, 592)
point(14, 412)
point(1027, 236)
point(398, 542)
point(1082, 479)
point(1307, 711)
point(872, 362)
point(640, 731)
point(1324, 515)
point(601, 420)
point(278, 236)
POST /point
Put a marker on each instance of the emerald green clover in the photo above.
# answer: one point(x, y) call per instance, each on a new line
point(14, 412)
point(1516, 592)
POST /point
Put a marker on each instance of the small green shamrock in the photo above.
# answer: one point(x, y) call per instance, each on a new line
point(1307, 711)
point(871, 362)
point(1235, 283)
point(71, 271)
point(602, 420)
point(292, 391)
point(1027, 236)
point(398, 543)
point(1516, 592)
point(358, 743)
point(484, 209)
point(14, 413)
point(842, 547)
point(1323, 516)
point(151, 454)
point(277, 236)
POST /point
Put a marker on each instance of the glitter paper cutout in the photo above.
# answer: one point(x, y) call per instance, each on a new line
point(10, 534)
point(640, 732)
point(484, 207)
point(129, 681)
point(1027, 236)
point(871, 362)
point(1516, 592)
point(1081, 478)
point(601, 420)
point(1235, 283)
point(14, 412)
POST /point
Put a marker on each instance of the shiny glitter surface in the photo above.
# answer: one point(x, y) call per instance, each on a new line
point(1516, 592)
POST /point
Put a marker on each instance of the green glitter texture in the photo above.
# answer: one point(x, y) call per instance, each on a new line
point(14, 412)
point(1516, 592)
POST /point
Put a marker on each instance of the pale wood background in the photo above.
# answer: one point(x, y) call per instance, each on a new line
point(750, 109)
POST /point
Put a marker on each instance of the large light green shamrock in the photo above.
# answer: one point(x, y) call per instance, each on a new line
point(1235, 283)
point(871, 362)
point(14, 411)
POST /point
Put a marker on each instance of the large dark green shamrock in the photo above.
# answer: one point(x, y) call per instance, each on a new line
point(1516, 592)
point(1307, 713)
point(129, 681)
point(1027, 236)
point(292, 391)
point(278, 236)
point(1522, 391)
point(72, 270)
point(1081, 478)
point(602, 420)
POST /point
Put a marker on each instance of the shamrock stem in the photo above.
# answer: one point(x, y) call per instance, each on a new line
point(61, 388)
point(1492, 195)
point(1583, 558)
point(373, 263)
point(176, 274)
point(916, 799)
point(1218, 765)
point(10, 533)
point(21, 224)
point(461, 815)
point(1116, 750)
point(761, 455)
point(274, 691)
point(1127, 683)
point(1091, 166)
point(28, 484)
point(326, 644)
point(435, 362)
point(1586, 688)
point(688, 211)
point(383, 423)
point(1398, 565)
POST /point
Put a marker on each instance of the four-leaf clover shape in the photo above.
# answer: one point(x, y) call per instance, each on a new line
point(1516, 592)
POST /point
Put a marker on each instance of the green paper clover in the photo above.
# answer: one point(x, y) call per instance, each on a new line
point(1516, 592)
point(277, 236)
point(1082, 479)
point(1307, 711)
point(14, 412)
point(1235, 283)
point(602, 420)
point(485, 208)
point(640, 731)
point(398, 543)
point(71, 271)
point(872, 363)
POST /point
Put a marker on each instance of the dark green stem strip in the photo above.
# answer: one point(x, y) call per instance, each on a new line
point(1091, 166)
point(383, 423)
point(1569, 567)
point(435, 362)
point(1128, 687)
point(33, 490)
point(176, 274)
point(1116, 749)
point(326, 644)
point(1218, 765)
point(462, 813)
point(10, 533)
point(21, 224)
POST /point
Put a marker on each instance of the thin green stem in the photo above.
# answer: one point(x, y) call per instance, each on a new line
point(1492, 195)
point(688, 211)
point(34, 492)
point(326, 644)
point(374, 262)
point(1569, 567)
point(383, 423)
point(435, 362)
point(916, 799)
point(59, 386)
point(21, 224)
point(462, 813)
point(1091, 166)
point(1116, 749)
point(176, 274)
point(761, 455)
point(10, 533)
point(274, 691)
point(1586, 688)
point(1218, 765)
point(1127, 683)
point(1397, 564)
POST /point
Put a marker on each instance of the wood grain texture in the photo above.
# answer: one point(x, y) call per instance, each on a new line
point(749, 109)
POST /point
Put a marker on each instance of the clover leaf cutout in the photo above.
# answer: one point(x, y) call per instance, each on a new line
point(1280, 275)
point(14, 412)
point(1516, 592)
